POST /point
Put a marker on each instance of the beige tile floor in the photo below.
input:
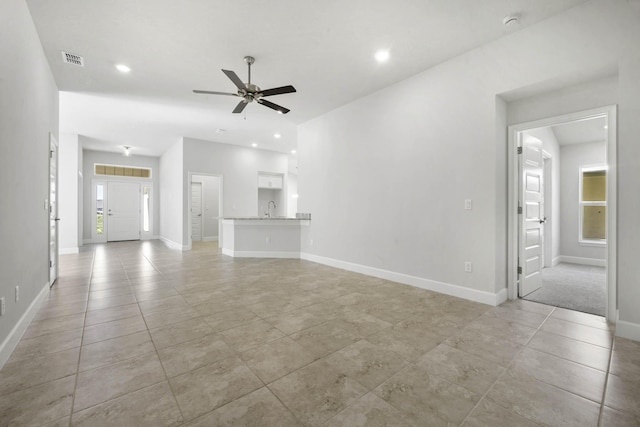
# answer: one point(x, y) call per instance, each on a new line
point(136, 334)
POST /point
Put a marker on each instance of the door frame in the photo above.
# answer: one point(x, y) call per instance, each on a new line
point(144, 235)
point(187, 214)
point(515, 141)
point(547, 197)
point(53, 144)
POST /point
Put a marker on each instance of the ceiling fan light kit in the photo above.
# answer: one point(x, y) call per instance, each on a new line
point(250, 92)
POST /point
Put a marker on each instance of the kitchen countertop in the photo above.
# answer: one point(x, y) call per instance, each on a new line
point(266, 218)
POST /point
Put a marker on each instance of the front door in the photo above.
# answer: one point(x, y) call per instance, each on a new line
point(196, 211)
point(53, 210)
point(531, 201)
point(123, 211)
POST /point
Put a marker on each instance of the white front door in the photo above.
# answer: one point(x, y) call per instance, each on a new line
point(531, 201)
point(53, 210)
point(196, 211)
point(123, 213)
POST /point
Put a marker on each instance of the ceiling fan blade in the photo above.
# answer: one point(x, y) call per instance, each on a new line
point(208, 92)
point(241, 106)
point(278, 90)
point(273, 106)
point(235, 79)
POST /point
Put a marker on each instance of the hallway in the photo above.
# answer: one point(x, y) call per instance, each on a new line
point(135, 334)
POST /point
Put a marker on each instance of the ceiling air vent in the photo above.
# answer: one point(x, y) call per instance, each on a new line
point(73, 59)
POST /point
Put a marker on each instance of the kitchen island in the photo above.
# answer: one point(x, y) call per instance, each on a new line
point(258, 237)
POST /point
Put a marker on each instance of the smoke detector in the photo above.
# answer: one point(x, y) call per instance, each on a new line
point(73, 59)
point(510, 21)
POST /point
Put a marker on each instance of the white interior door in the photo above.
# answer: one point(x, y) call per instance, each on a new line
point(531, 228)
point(196, 211)
point(53, 210)
point(123, 211)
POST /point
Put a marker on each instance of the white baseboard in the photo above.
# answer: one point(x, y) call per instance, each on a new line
point(555, 261)
point(67, 251)
point(418, 282)
point(628, 330)
point(261, 254)
point(149, 237)
point(87, 241)
point(210, 239)
point(174, 245)
point(12, 340)
point(584, 261)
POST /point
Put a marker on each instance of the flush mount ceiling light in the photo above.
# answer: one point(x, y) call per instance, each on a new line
point(254, 145)
point(276, 135)
point(510, 21)
point(123, 68)
point(126, 151)
point(293, 151)
point(382, 55)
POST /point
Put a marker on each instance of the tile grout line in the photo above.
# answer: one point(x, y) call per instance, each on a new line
point(506, 369)
point(75, 385)
point(173, 394)
point(606, 381)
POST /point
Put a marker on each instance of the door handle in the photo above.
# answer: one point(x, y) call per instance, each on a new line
point(56, 219)
point(199, 214)
point(543, 220)
point(110, 214)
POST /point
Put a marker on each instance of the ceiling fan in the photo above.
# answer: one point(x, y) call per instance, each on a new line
point(250, 92)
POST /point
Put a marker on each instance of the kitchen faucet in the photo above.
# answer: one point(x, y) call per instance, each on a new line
point(269, 207)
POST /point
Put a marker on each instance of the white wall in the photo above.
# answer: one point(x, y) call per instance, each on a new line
point(385, 176)
point(171, 192)
point(238, 166)
point(28, 112)
point(91, 157)
point(292, 194)
point(554, 221)
point(68, 184)
point(573, 157)
point(628, 200)
point(210, 203)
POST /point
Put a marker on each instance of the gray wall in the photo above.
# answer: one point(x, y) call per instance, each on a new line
point(171, 193)
point(402, 160)
point(238, 166)
point(572, 158)
point(28, 112)
point(91, 157)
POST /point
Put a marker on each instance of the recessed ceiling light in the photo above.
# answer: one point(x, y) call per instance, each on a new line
point(254, 144)
point(123, 68)
point(382, 55)
point(293, 151)
point(276, 135)
point(606, 126)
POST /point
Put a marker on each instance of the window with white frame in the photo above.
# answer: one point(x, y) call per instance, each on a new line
point(593, 205)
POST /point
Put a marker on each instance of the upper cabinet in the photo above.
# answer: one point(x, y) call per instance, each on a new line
point(273, 182)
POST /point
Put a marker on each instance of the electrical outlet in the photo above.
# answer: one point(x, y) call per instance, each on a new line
point(2, 307)
point(467, 204)
point(17, 293)
point(468, 266)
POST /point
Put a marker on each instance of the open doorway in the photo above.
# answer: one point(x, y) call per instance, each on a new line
point(205, 207)
point(562, 211)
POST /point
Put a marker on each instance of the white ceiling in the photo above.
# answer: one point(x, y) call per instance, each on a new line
point(581, 131)
point(324, 48)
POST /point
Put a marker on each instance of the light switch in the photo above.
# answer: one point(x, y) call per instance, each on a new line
point(467, 204)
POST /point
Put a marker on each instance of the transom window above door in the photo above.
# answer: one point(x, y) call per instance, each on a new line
point(120, 170)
